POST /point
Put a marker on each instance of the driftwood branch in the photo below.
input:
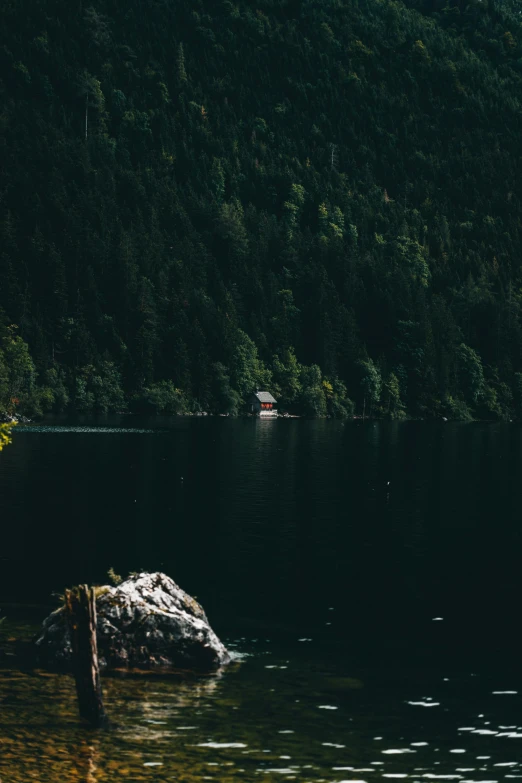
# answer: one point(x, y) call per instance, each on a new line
point(80, 605)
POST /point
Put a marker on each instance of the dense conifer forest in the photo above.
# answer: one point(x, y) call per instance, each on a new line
point(321, 198)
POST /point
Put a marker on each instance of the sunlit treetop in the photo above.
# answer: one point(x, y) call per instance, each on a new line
point(5, 435)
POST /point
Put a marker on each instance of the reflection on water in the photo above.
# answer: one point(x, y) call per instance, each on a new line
point(367, 574)
point(303, 717)
point(285, 520)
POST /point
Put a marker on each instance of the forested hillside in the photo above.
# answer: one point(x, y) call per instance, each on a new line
point(317, 197)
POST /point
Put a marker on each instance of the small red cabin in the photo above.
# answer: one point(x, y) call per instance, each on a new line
point(263, 404)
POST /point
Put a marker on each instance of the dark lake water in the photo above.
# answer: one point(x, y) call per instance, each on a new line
point(368, 575)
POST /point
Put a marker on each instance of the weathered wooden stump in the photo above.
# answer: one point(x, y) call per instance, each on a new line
point(80, 605)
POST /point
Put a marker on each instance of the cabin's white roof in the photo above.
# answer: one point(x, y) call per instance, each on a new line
point(264, 396)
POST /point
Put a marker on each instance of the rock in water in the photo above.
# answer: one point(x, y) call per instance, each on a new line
point(147, 620)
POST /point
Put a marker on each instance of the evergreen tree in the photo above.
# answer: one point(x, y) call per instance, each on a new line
point(212, 199)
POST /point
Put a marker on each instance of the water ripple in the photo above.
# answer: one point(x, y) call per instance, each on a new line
point(63, 429)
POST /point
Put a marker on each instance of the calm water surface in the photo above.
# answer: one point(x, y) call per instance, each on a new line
point(324, 554)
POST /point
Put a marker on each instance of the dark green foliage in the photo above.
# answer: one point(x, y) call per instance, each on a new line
point(313, 398)
point(99, 388)
point(370, 384)
point(338, 404)
point(392, 403)
point(287, 379)
point(471, 375)
point(318, 198)
point(227, 399)
point(18, 390)
point(114, 578)
point(162, 397)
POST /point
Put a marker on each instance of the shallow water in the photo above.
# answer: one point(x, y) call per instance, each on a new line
point(368, 576)
point(294, 713)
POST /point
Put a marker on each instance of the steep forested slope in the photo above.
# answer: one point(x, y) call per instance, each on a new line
point(319, 197)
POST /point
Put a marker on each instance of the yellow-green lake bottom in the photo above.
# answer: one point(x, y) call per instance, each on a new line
point(297, 711)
